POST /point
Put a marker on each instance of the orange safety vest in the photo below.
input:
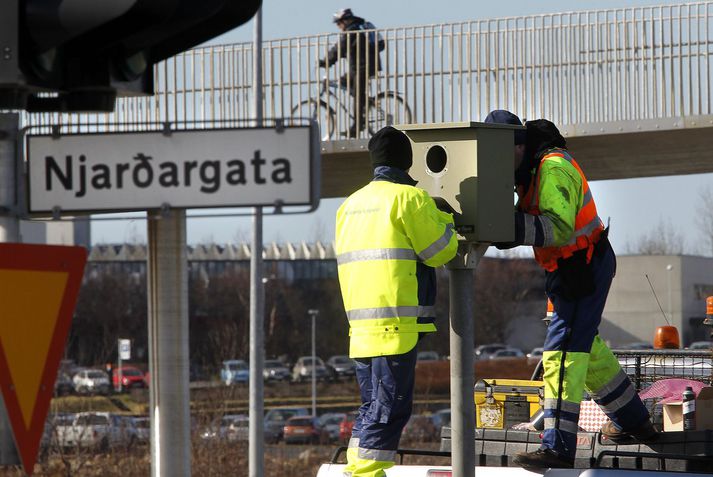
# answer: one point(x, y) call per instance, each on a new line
point(587, 224)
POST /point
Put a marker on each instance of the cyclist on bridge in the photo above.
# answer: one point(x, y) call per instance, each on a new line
point(361, 49)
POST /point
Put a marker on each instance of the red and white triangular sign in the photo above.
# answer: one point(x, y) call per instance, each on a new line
point(39, 285)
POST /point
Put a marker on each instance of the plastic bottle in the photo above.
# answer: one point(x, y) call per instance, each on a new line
point(689, 409)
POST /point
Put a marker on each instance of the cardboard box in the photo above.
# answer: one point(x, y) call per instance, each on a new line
point(673, 412)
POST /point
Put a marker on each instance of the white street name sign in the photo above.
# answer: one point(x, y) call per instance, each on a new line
point(115, 172)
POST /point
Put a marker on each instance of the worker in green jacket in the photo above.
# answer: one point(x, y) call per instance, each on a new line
point(556, 215)
point(389, 236)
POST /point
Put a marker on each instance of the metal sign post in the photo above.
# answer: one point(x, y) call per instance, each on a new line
point(124, 354)
point(462, 274)
point(168, 345)
point(256, 430)
point(9, 232)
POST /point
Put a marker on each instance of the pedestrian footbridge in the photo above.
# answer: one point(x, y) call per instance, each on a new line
point(630, 88)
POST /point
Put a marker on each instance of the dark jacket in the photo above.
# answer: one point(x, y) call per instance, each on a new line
point(360, 47)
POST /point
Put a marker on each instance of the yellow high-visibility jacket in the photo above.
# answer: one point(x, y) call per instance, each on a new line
point(388, 237)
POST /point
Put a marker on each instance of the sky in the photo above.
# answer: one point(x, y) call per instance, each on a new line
point(634, 206)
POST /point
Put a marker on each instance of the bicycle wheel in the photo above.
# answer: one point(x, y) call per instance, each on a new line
point(387, 109)
point(321, 112)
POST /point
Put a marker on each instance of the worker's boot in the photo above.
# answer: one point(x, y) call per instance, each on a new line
point(646, 432)
point(543, 459)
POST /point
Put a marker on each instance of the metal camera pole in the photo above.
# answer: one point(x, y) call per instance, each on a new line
point(462, 275)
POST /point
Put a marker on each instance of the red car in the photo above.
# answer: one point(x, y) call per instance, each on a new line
point(345, 427)
point(131, 377)
point(305, 430)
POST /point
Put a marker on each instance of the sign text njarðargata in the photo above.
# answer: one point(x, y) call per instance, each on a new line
point(186, 169)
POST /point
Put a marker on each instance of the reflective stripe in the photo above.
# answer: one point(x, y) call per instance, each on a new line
point(551, 403)
point(594, 224)
point(353, 442)
point(587, 198)
point(529, 229)
point(609, 387)
point(390, 312)
point(625, 398)
point(565, 425)
point(379, 455)
point(548, 230)
point(437, 246)
point(376, 254)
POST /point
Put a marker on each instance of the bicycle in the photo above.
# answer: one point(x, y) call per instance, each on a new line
point(383, 109)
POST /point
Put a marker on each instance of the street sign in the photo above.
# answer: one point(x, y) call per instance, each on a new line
point(39, 285)
point(115, 172)
point(124, 349)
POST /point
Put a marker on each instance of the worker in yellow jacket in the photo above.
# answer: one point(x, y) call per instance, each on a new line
point(389, 236)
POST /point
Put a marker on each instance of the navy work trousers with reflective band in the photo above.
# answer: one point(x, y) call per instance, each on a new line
point(386, 384)
point(575, 356)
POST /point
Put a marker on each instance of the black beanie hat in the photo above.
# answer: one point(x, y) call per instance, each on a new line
point(502, 116)
point(542, 135)
point(390, 147)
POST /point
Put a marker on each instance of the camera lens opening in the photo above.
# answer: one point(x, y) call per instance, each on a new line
point(436, 159)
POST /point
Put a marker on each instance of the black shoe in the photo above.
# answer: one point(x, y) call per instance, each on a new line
point(646, 432)
point(543, 459)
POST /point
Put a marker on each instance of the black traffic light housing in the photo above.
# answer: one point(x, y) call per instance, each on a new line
point(78, 55)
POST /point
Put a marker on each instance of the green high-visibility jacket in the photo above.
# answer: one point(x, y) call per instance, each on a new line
point(385, 231)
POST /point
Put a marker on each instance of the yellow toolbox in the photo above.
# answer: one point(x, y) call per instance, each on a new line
point(502, 403)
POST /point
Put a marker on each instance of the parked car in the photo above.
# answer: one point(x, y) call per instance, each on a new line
point(63, 385)
point(535, 354)
point(330, 423)
point(234, 371)
point(230, 427)
point(345, 427)
point(131, 377)
point(303, 369)
point(275, 370)
point(701, 345)
point(507, 353)
point(96, 430)
point(91, 381)
point(484, 351)
point(142, 424)
point(304, 430)
point(275, 420)
point(419, 428)
point(341, 366)
point(440, 419)
point(427, 356)
point(636, 345)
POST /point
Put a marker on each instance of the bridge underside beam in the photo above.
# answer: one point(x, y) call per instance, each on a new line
point(604, 153)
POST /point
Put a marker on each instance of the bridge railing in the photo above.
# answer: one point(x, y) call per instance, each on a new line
point(612, 65)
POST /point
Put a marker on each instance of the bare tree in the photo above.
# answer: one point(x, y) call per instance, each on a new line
point(663, 239)
point(704, 219)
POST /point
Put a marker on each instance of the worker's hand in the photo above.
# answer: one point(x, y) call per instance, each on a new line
point(443, 205)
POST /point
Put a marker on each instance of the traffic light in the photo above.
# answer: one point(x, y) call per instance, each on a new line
point(78, 55)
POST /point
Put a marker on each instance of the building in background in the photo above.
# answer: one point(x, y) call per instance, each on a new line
point(61, 232)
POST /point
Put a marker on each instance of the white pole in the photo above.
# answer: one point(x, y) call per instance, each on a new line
point(256, 442)
point(168, 346)
point(118, 363)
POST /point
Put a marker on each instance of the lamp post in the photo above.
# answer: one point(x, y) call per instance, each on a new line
point(669, 268)
point(313, 313)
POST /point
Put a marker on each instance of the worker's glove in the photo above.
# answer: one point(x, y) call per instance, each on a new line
point(322, 63)
point(529, 230)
